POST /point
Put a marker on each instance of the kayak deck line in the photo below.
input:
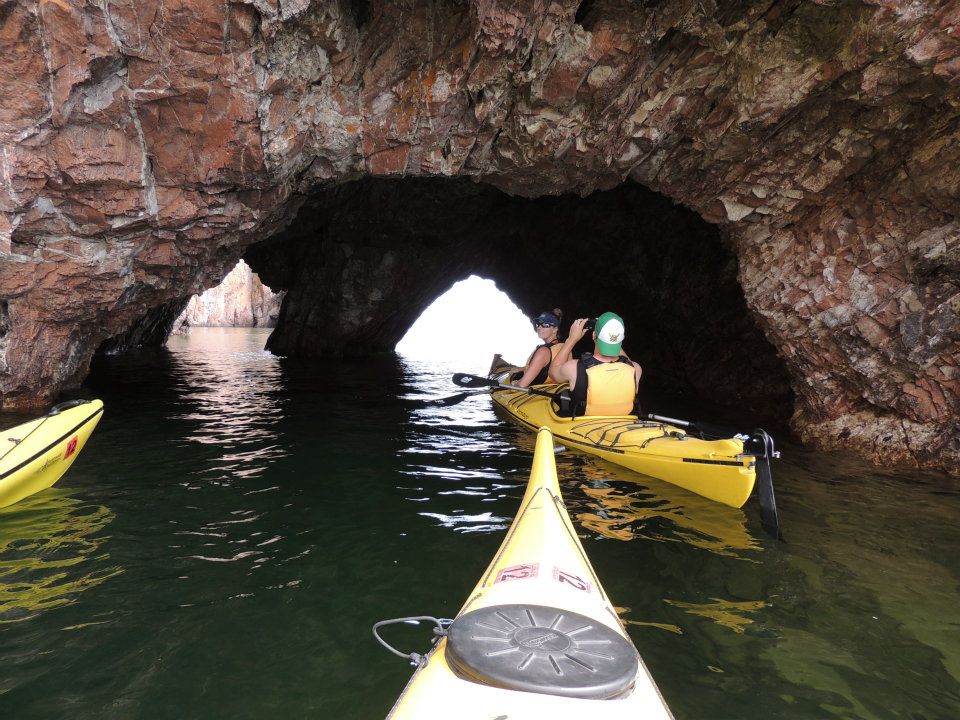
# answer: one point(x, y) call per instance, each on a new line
point(704, 461)
point(537, 636)
point(624, 449)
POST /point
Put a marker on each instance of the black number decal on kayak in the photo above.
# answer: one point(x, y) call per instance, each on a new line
point(518, 572)
point(571, 579)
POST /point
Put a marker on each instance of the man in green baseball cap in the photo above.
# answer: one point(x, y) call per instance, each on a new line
point(605, 381)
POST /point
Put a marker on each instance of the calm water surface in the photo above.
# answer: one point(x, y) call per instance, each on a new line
point(239, 521)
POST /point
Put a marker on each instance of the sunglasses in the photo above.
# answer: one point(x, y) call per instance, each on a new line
point(537, 323)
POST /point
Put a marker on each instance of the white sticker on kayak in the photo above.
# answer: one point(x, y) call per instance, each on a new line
point(518, 572)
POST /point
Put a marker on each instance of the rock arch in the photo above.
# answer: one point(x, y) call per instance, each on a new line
point(144, 148)
point(362, 260)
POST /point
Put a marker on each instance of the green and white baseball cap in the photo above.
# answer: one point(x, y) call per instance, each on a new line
point(609, 332)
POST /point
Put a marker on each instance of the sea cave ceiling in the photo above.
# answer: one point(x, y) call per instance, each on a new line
point(147, 146)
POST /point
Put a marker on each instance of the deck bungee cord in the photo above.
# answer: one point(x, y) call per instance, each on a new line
point(416, 659)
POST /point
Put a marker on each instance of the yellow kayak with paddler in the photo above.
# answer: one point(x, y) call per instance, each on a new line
point(721, 469)
point(35, 454)
point(538, 637)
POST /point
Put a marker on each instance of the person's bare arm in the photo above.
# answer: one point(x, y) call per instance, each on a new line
point(563, 368)
point(539, 361)
point(565, 373)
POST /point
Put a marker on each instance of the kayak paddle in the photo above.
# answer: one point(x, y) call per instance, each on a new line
point(463, 380)
point(444, 402)
point(474, 381)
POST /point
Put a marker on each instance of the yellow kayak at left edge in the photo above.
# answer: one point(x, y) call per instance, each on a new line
point(34, 455)
point(538, 637)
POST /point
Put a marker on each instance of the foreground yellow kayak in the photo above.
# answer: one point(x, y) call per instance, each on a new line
point(537, 637)
point(34, 455)
point(722, 470)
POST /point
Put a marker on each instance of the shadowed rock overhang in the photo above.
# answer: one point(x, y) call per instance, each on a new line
point(362, 261)
point(144, 150)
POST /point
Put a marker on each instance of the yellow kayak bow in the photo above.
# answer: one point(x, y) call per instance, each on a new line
point(538, 637)
point(34, 455)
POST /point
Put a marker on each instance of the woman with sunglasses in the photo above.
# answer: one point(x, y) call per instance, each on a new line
point(537, 370)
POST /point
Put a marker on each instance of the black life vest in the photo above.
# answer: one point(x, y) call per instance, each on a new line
point(544, 375)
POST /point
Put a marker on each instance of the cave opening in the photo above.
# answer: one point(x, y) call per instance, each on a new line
point(361, 262)
point(467, 324)
point(240, 300)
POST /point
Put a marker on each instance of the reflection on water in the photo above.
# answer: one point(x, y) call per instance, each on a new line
point(726, 613)
point(50, 551)
point(629, 506)
point(235, 399)
point(450, 445)
point(232, 398)
point(875, 555)
point(238, 521)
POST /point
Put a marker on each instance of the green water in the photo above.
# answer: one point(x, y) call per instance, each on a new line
point(239, 521)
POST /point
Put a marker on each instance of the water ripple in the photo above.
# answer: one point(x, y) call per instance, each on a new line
point(245, 519)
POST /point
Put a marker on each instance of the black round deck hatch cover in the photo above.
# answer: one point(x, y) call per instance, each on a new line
point(534, 648)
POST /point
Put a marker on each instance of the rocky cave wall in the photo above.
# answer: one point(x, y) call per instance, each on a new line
point(144, 145)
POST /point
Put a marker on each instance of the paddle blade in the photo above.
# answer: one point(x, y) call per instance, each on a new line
point(473, 381)
point(447, 401)
point(418, 404)
point(769, 517)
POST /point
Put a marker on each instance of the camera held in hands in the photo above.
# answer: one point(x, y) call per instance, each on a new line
point(590, 324)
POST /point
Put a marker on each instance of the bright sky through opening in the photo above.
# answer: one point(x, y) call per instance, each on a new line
point(470, 322)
